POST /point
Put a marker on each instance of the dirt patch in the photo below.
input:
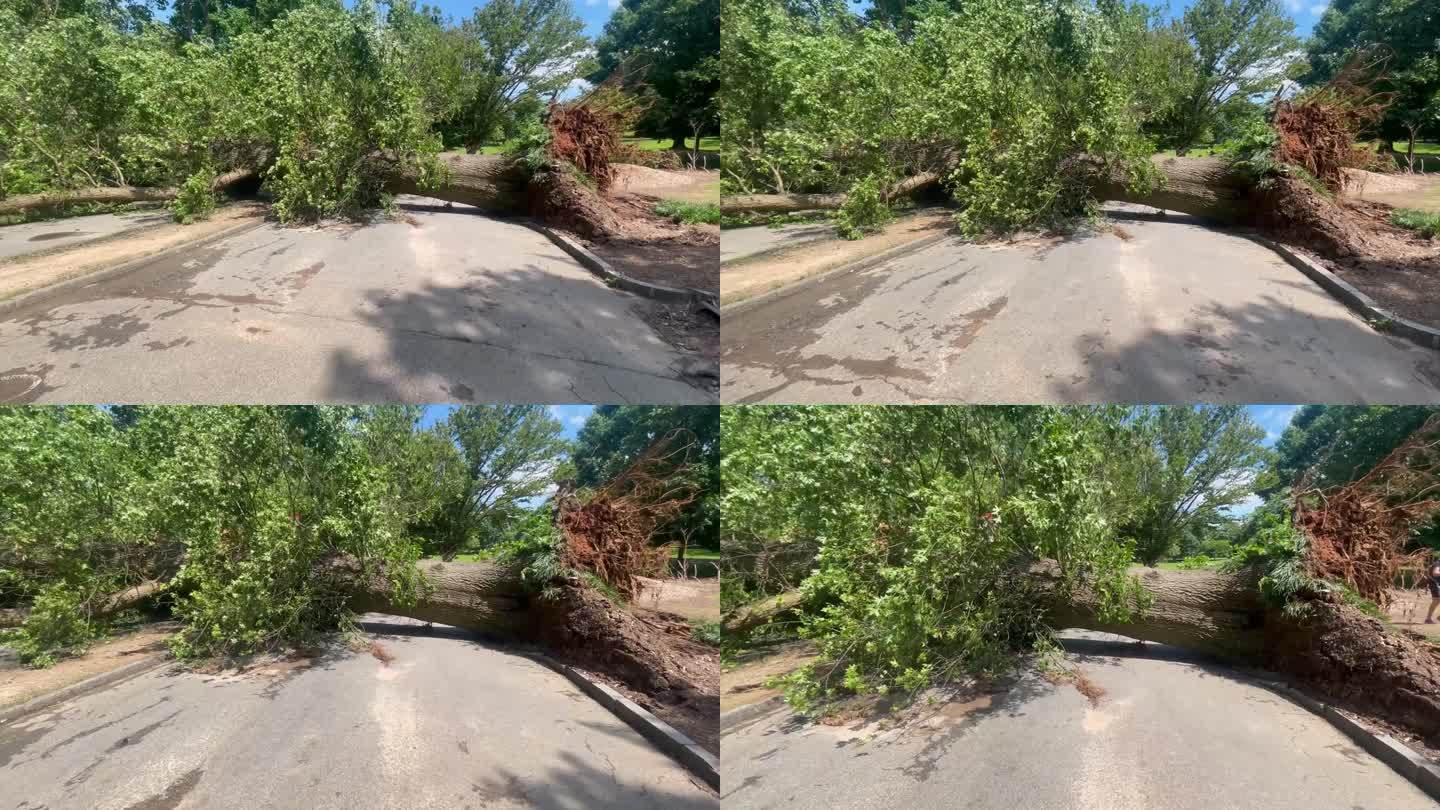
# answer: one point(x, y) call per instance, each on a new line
point(745, 683)
point(1355, 239)
point(33, 272)
point(690, 186)
point(652, 659)
point(1077, 678)
point(694, 599)
point(1360, 665)
point(747, 278)
point(18, 685)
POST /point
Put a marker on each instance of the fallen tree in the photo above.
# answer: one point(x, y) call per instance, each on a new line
point(955, 539)
point(1337, 650)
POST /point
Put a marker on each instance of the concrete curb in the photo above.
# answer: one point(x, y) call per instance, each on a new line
point(1380, 318)
point(602, 268)
point(51, 290)
point(130, 670)
point(682, 749)
point(1419, 771)
point(750, 711)
point(883, 256)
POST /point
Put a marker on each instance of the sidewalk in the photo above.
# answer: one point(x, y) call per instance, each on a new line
point(18, 684)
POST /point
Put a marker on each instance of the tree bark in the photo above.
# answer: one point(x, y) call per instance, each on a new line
point(111, 194)
point(1203, 187)
point(486, 598)
point(493, 183)
point(1206, 187)
point(133, 596)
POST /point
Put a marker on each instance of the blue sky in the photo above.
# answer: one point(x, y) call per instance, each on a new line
point(1274, 418)
point(595, 13)
point(572, 417)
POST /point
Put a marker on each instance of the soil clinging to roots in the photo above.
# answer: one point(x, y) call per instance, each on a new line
point(1358, 532)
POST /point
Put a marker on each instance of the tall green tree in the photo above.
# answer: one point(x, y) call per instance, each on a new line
point(673, 46)
point(1194, 464)
point(506, 460)
point(516, 54)
point(1398, 34)
point(1239, 48)
point(1335, 444)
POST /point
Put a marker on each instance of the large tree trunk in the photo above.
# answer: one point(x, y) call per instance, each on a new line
point(109, 194)
point(131, 597)
point(487, 598)
point(1352, 659)
point(790, 203)
point(1206, 187)
point(493, 183)
point(1202, 187)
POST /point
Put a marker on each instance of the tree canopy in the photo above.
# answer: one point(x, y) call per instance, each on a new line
point(251, 522)
point(671, 46)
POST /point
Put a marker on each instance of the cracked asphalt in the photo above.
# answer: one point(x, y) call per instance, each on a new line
point(1157, 310)
point(1167, 733)
point(448, 723)
point(439, 305)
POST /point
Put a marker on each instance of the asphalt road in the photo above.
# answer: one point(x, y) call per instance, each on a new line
point(1169, 312)
point(739, 243)
point(449, 723)
point(34, 237)
point(447, 306)
point(1167, 735)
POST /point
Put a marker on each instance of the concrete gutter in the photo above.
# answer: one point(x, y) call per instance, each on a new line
point(130, 670)
point(682, 749)
point(1420, 771)
point(85, 278)
point(1380, 318)
point(750, 711)
point(866, 263)
point(615, 278)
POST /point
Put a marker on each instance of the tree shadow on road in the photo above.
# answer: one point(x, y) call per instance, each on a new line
point(577, 783)
point(1263, 351)
point(526, 334)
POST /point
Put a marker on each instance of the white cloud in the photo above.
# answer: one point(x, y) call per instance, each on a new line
point(1319, 8)
point(614, 4)
point(1295, 5)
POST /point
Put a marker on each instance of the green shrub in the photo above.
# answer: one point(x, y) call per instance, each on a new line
point(1426, 223)
point(689, 213)
point(864, 210)
point(1194, 562)
point(195, 201)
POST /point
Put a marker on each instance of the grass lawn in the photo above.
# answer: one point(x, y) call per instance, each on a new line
point(659, 144)
point(1175, 565)
point(1421, 147)
point(697, 553)
point(1199, 151)
point(461, 558)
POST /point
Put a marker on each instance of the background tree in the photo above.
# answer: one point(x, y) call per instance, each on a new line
point(505, 461)
point(1401, 34)
point(1239, 48)
point(1195, 463)
point(672, 47)
point(514, 54)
